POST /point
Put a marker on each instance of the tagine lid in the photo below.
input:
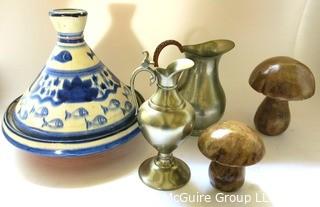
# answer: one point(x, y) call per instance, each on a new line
point(75, 100)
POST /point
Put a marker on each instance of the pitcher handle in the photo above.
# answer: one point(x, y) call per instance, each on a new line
point(163, 45)
point(144, 66)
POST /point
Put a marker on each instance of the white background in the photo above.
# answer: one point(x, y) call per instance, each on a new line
point(118, 31)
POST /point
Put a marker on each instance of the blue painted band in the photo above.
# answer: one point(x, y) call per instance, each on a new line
point(75, 137)
point(71, 73)
point(73, 153)
point(76, 34)
point(56, 103)
point(71, 41)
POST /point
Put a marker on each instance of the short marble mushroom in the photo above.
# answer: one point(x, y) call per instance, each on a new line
point(280, 79)
point(231, 145)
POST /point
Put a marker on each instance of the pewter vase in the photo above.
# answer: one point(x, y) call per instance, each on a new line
point(165, 119)
point(201, 86)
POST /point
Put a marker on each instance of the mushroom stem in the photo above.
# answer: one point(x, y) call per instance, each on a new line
point(272, 117)
point(226, 178)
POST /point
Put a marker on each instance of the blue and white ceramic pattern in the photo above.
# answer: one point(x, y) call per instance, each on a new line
point(74, 102)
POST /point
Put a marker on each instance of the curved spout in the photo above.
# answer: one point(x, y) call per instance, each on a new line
point(169, 77)
point(210, 48)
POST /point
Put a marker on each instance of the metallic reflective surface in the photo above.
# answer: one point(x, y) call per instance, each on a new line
point(165, 120)
point(201, 86)
point(164, 174)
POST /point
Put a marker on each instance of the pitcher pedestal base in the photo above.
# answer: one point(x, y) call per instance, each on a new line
point(164, 178)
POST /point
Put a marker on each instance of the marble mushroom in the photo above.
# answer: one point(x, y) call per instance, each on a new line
point(231, 145)
point(280, 79)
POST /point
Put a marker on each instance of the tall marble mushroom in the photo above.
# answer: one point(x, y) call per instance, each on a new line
point(280, 79)
point(230, 145)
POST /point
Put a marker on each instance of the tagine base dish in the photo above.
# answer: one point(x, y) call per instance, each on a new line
point(160, 178)
point(94, 145)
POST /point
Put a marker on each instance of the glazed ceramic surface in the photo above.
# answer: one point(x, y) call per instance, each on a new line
point(75, 101)
point(165, 120)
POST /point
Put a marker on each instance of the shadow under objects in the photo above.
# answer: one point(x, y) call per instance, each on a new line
point(84, 171)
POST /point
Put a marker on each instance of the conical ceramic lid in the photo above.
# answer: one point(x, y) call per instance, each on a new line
point(75, 98)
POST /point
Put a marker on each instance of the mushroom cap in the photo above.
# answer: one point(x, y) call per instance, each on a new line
point(231, 143)
point(283, 78)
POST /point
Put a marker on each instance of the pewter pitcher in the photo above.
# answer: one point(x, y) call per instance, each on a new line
point(201, 86)
point(165, 119)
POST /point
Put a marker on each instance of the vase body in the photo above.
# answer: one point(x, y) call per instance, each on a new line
point(165, 119)
point(201, 86)
point(76, 101)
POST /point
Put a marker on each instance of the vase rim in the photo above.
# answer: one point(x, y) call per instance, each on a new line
point(68, 12)
point(210, 48)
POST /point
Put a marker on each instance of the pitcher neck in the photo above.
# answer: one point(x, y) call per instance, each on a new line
point(208, 64)
point(203, 59)
point(167, 99)
point(167, 83)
